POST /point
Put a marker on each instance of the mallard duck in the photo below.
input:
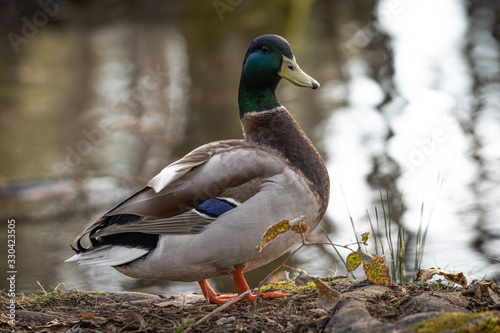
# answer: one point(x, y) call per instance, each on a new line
point(203, 216)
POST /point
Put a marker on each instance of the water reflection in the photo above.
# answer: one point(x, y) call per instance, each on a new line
point(437, 85)
point(409, 103)
point(484, 60)
point(425, 128)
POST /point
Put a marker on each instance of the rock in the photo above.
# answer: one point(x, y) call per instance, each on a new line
point(35, 317)
point(319, 312)
point(225, 320)
point(352, 313)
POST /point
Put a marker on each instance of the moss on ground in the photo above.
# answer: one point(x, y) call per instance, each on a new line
point(287, 286)
point(448, 321)
point(53, 297)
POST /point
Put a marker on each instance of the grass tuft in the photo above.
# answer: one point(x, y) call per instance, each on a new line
point(396, 244)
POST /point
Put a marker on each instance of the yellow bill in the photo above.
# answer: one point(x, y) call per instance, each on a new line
point(291, 71)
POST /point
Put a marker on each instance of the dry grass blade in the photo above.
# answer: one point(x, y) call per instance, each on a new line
point(41, 287)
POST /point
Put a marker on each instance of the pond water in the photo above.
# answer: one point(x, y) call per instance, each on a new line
point(99, 100)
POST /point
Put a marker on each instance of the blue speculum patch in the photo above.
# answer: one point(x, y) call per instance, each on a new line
point(215, 207)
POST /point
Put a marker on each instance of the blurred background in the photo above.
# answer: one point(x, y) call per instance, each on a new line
point(96, 97)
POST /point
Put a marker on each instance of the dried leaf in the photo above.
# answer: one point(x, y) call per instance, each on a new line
point(302, 278)
point(493, 285)
point(365, 236)
point(494, 297)
point(272, 232)
point(87, 315)
point(352, 262)
point(135, 318)
point(51, 324)
point(378, 272)
point(298, 226)
point(327, 297)
point(458, 278)
point(476, 291)
point(425, 274)
point(5, 319)
point(483, 285)
point(479, 288)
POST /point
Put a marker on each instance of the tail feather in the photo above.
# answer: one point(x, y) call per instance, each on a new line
point(108, 255)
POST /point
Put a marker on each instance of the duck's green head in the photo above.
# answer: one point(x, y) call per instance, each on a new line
point(269, 58)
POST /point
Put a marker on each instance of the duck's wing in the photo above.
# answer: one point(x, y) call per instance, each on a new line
point(192, 192)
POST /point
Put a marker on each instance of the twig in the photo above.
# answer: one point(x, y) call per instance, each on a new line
point(219, 309)
point(283, 266)
point(162, 318)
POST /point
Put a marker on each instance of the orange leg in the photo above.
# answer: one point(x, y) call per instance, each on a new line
point(211, 296)
point(241, 287)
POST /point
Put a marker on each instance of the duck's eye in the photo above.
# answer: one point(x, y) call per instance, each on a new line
point(264, 49)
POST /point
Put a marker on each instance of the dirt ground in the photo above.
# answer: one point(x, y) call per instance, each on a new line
point(360, 307)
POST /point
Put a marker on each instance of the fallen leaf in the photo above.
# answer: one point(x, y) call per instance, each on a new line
point(51, 324)
point(5, 319)
point(484, 285)
point(302, 278)
point(479, 288)
point(476, 291)
point(87, 315)
point(458, 278)
point(494, 297)
point(327, 296)
point(135, 318)
point(425, 274)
